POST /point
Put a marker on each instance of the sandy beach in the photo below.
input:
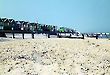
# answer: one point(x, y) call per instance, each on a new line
point(55, 56)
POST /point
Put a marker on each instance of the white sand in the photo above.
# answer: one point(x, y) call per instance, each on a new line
point(55, 57)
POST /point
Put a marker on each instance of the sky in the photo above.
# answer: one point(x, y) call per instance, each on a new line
point(82, 15)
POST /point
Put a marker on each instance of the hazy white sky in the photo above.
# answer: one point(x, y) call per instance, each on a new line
point(83, 15)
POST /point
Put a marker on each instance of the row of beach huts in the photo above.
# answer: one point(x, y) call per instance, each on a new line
point(11, 27)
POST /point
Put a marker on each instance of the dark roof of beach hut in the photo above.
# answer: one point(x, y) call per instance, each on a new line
point(25, 22)
point(11, 20)
point(17, 22)
point(33, 23)
point(21, 22)
point(4, 19)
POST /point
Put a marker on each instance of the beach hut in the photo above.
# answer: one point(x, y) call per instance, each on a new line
point(1, 24)
point(12, 23)
point(49, 28)
point(26, 26)
point(6, 23)
point(22, 24)
point(33, 26)
point(39, 28)
point(54, 28)
point(17, 25)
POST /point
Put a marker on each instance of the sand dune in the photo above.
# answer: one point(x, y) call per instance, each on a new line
point(55, 56)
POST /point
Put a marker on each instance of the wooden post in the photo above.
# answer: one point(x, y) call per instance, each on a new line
point(13, 33)
point(59, 35)
point(23, 34)
point(97, 36)
point(22, 29)
point(82, 36)
point(70, 35)
point(106, 35)
point(48, 35)
point(32, 35)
